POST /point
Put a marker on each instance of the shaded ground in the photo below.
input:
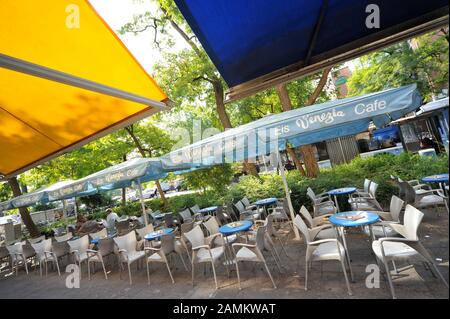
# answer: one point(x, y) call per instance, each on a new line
point(326, 279)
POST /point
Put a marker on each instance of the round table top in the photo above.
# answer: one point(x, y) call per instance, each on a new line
point(235, 227)
point(158, 233)
point(266, 201)
point(438, 178)
point(342, 191)
point(96, 240)
point(161, 215)
point(366, 218)
point(208, 209)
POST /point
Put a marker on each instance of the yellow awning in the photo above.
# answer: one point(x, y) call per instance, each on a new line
point(65, 79)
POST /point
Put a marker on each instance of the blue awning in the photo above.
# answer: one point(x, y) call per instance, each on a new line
point(300, 126)
point(254, 42)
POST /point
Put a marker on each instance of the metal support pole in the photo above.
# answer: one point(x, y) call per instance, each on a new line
point(141, 197)
point(75, 207)
point(288, 195)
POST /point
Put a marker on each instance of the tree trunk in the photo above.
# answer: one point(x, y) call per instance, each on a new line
point(296, 160)
point(250, 168)
point(24, 214)
point(124, 190)
point(136, 141)
point(286, 104)
point(309, 158)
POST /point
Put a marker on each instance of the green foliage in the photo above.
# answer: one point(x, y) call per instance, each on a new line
point(423, 60)
point(96, 200)
point(377, 168)
point(216, 178)
point(130, 209)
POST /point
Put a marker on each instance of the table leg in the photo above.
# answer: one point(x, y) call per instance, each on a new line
point(336, 202)
point(341, 234)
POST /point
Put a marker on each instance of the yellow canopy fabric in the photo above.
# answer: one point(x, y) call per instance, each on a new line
point(41, 117)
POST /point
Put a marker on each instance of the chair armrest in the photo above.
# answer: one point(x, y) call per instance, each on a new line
point(318, 242)
point(397, 239)
point(313, 232)
point(210, 238)
point(201, 246)
point(151, 248)
point(46, 252)
point(242, 245)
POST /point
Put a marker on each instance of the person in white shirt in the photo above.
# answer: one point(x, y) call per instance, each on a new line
point(111, 219)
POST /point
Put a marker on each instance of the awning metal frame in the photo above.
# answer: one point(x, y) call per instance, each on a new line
point(415, 27)
point(26, 67)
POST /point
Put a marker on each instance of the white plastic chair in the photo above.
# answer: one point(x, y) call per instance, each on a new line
point(105, 248)
point(57, 251)
point(20, 252)
point(36, 240)
point(40, 248)
point(406, 248)
point(322, 203)
point(252, 253)
point(159, 255)
point(423, 198)
point(318, 228)
point(100, 234)
point(202, 250)
point(321, 250)
point(63, 238)
point(194, 209)
point(79, 248)
point(186, 215)
point(366, 201)
point(382, 228)
point(128, 251)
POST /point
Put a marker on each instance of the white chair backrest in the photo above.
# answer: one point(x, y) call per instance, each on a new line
point(300, 224)
point(36, 240)
point(185, 214)
point(80, 244)
point(245, 201)
point(100, 234)
point(195, 208)
point(127, 242)
point(240, 207)
point(41, 247)
point(145, 230)
point(367, 185)
point(195, 236)
point(411, 221)
point(396, 207)
point(212, 225)
point(62, 238)
point(305, 213)
point(15, 248)
point(373, 189)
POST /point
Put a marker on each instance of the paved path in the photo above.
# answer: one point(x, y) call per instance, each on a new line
point(326, 279)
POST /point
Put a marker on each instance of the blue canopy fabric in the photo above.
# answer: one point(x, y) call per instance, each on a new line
point(38, 196)
point(300, 126)
point(247, 40)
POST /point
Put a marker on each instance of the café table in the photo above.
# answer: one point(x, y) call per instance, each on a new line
point(441, 179)
point(158, 234)
point(95, 241)
point(266, 202)
point(341, 191)
point(352, 219)
point(232, 229)
point(208, 210)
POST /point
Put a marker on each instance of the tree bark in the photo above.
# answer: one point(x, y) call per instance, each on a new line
point(286, 105)
point(124, 190)
point(138, 144)
point(24, 214)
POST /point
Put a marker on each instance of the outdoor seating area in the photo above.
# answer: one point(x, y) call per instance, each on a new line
point(220, 249)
